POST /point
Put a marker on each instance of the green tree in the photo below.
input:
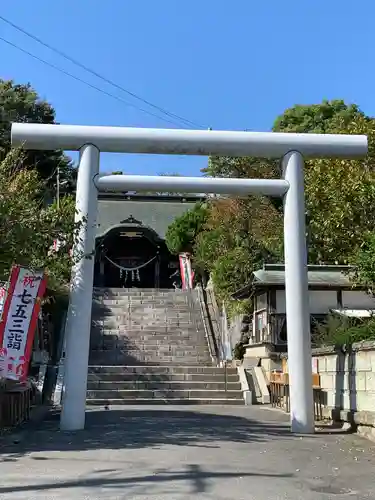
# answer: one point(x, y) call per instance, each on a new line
point(28, 228)
point(316, 118)
point(21, 103)
point(209, 245)
point(182, 233)
point(340, 199)
point(364, 262)
point(227, 241)
point(234, 269)
point(339, 193)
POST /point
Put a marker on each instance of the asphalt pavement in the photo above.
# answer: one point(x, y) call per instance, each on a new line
point(183, 453)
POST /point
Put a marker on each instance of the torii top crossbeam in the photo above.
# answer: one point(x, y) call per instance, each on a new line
point(186, 142)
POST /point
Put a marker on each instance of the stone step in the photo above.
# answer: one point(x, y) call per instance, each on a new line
point(121, 312)
point(171, 308)
point(157, 326)
point(128, 319)
point(169, 350)
point(156, 369)
point(147, 331)
point(160, 394)
point(142, 297)
point(116, 358)
point(178, 349)
point(136, 298)
point(175, 357)
point(144, 343)
point(145, 291)
point(163, 377)
point(164, 401)
point(112, 324)
point(121, 361)
point(150, 336)
point(151, 357)
point(162, 385)
point(148, 348)
point(150, 339)
point(161, 315)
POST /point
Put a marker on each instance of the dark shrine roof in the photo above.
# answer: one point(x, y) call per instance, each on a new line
point(153, 211)
point(319, 277)
point(334, 276)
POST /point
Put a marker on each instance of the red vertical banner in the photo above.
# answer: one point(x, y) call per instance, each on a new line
point(20, 315)
point(187, 275)
point(3, 292)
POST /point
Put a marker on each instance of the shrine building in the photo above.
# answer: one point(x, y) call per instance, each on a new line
point(130, 249)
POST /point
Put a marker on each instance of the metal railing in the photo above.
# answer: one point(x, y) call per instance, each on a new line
point(207, 327)
point(198, 298)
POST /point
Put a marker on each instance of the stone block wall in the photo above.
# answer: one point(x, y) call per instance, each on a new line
point(347, 379)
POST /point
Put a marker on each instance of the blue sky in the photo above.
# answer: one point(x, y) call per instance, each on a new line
point(226, 65)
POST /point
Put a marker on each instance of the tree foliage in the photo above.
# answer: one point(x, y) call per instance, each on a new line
point(364, 262)
point(21, 103)
point(181, 234)
point(226, 240)
point(339, 193)
point(340, 206)
point(28, 228)
point(316, 118)
point(340, 331)
point(340, 200)
point(235, 268)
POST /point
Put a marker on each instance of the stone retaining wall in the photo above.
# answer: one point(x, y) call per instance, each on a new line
point(348, 383)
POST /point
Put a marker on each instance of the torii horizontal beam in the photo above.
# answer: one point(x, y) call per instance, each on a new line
point(186, 142)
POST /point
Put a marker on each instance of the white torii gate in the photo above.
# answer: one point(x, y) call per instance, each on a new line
point(90, 141)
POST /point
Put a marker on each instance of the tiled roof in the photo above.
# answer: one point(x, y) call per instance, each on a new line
point(318, 277)
point(155, 213)
point(333, 276)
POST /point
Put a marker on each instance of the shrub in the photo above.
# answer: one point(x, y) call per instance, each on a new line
point(340, 330)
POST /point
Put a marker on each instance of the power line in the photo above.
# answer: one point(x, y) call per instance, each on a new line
point(120, 99)
point(98, 75)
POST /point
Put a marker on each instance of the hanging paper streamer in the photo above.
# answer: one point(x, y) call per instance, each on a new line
point(132, 272)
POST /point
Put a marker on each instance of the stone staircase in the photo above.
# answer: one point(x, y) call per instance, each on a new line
point(149, 347)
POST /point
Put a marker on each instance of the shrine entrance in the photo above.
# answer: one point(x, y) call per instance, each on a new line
point(126, 257)
point(288, 147)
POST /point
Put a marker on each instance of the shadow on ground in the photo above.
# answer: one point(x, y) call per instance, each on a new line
point(196, 478)
point(132, 429)
point(142, 428)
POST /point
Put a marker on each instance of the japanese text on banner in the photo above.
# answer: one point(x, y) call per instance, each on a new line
point(17, 322)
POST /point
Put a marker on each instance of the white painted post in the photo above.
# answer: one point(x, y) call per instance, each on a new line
point(79, 314)
point(297, 303)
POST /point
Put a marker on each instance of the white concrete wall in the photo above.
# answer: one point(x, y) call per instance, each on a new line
point(323, 300)
point(357, 300)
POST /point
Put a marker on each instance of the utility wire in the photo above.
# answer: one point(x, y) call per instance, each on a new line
point(98, 75)
point(113, 96)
